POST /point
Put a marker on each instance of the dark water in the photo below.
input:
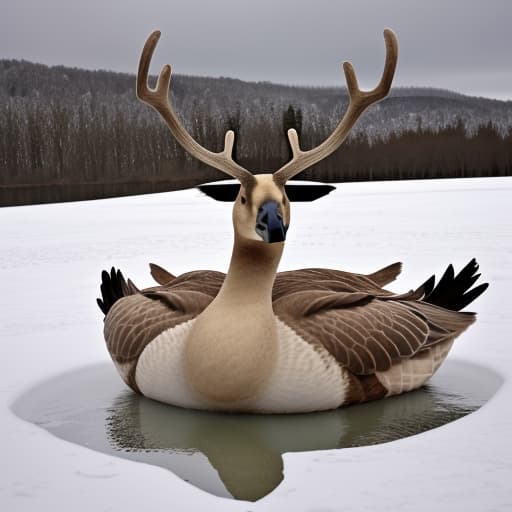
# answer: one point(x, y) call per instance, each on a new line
point(237, 455)
point(58, 193)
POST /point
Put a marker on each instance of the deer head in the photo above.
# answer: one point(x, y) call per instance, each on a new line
point(262, 210)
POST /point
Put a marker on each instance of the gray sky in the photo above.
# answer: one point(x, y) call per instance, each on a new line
point(464, 45)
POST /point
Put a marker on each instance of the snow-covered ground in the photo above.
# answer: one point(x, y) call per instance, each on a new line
point(50, 260)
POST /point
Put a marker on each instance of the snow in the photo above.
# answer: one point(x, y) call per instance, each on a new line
point(50, 263)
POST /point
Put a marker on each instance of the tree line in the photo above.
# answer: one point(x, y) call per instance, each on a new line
point(75, 134)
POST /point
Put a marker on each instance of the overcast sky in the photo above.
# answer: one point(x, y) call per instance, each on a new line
point(463, 45)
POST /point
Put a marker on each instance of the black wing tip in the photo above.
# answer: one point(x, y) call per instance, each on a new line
point(113, 287)
point(428, 285)
point(102, 306)
point(454, 290)
point(472, 294)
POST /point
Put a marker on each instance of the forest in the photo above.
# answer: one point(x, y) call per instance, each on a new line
point(72, 134)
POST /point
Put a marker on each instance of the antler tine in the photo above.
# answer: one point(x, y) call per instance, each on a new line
point(382, 88)
point(158, 98)
point(359, 101)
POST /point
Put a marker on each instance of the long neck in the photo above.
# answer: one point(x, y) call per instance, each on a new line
point(252, 271)
point(231, 348)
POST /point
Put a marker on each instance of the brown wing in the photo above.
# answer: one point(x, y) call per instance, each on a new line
point(364, 333)
point(160, 275)
point(386, 275)
point(204, 281)
point(309, 279)
point(136, 319)
point(209, 281)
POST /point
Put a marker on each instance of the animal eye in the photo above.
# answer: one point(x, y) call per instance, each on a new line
point(243, 200)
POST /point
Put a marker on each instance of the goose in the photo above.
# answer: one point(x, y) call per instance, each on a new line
point(258, 341)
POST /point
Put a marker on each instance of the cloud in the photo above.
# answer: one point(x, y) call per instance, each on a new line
point(457, 44)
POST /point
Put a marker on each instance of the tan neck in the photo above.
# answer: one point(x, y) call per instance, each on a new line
point(232, 346)
point(251, 273)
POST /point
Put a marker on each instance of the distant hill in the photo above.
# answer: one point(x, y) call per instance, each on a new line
point(67, 127)
point(406, 108)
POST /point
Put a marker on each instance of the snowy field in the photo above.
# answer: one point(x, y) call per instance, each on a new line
point(50, 262)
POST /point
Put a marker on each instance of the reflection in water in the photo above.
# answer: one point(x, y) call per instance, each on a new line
point(237, 455)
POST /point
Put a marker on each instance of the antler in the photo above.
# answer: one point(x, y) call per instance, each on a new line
point(359, 101)
point(159, 100)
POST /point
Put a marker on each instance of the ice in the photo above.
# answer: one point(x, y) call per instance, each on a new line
point(50, 263)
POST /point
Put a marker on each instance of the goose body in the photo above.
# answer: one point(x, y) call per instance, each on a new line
point(341, 339)
point(255, 340)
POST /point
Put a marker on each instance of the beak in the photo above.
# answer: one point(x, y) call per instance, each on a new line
point(269, 223)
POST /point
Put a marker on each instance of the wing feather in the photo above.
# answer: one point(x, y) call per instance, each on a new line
point(367, 329)
point(137, 319)
point(364, 336)
point(310, 279)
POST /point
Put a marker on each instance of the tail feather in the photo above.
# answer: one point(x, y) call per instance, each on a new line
point(113, 287)
point(454, 291)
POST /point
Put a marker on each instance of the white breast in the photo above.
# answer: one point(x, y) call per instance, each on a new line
point(159, 373)
point(304, 378)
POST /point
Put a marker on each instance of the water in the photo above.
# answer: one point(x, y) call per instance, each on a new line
point(240, 455)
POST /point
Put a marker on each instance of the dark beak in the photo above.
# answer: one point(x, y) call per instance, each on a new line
point(269, 223)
